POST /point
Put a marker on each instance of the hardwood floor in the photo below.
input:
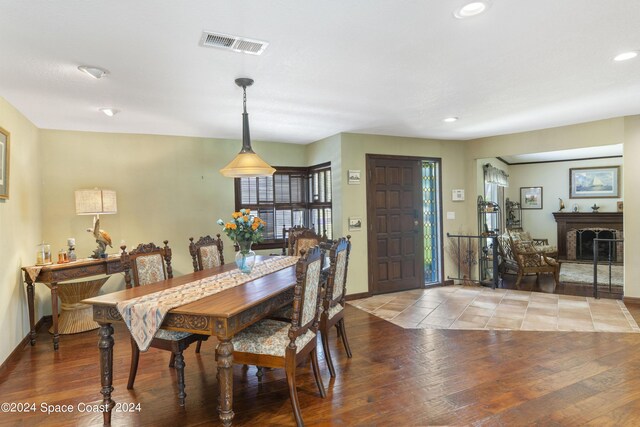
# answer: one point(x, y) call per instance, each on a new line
point(396, 377)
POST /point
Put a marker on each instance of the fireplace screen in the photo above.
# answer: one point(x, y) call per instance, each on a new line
point(585, 243)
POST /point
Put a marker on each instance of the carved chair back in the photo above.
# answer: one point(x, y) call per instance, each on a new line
point(207, 252)
point(306, 299)
point(148, 262)
point(337, 279)
point(301, 238)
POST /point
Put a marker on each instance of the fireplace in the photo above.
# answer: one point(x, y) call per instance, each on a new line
point(584, 244)
point(574, 244)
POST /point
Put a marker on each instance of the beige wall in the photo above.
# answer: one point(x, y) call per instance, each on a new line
point(167, 187)
point(603, 132)
point(631, 207)
point(20, 228)
point(554, 180)
point(354, 149)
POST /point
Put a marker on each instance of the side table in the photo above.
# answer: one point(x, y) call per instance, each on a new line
point(52, 274)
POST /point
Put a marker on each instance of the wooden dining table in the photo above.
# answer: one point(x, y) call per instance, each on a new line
point(221, 315)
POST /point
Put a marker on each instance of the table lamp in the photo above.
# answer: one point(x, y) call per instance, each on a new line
point(95, 202)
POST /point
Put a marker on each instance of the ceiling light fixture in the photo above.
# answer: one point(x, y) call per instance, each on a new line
point(450, 119)
point(624, 56)
point(95, 72)
point(109, 111)
point(247, 163)
point(471, 9)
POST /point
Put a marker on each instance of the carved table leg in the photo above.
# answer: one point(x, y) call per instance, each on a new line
point(30, 300)
point(54, 314)
point(224, 354)
point(105, 344)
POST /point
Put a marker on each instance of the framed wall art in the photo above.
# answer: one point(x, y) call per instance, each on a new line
point(355, 223)
point(530, 197)
point(354, 176)
point(4, 164)
point(598, 182)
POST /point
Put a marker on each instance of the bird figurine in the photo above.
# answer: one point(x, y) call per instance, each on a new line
point(561, 205)
point(102, 239)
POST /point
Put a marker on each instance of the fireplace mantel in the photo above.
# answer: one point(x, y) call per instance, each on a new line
point(579, 220)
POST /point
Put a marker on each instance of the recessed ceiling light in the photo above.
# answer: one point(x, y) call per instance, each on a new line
point(95, 72)
point(626, 55)
point(471, 9)
point(109, 111)
point(450, 119)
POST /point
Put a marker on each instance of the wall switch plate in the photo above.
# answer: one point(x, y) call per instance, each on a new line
point(457, 195)
point(451, 215)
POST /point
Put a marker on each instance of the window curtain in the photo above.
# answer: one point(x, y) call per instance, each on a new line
point(493, 175)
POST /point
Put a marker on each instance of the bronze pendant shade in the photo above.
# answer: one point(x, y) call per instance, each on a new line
point(247, 163)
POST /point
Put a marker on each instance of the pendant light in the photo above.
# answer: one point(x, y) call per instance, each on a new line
point(247, 163)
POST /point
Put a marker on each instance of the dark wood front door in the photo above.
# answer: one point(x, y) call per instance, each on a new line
point(394, 217)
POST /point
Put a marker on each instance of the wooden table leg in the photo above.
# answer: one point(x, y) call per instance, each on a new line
point(54, 314)
point(105, 344)
point(224, 354)
point(30, 301)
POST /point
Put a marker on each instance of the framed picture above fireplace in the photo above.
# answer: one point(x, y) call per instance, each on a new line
point(589, 183)
point(530, 197)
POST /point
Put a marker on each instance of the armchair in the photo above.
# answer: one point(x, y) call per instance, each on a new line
point(524, 258)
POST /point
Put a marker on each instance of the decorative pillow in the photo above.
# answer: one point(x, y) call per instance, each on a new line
point(171, 335)
point(150, 269)
point(209, 256)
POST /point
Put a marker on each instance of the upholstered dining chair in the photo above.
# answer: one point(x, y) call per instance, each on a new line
point(300, 238)
point(279, 344)
point(149, 264)
point(207, 252)
point(334, 297)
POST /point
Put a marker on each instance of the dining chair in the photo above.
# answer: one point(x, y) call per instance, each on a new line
point(300, 238)
point(207, 252)
point(279, 344)
point(149, 264)
point(334, 298)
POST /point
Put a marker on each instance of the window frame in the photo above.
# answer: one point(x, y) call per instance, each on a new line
point(307, 205)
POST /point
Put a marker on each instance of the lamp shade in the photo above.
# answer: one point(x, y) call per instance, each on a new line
point(96, 202)
point(247, 165)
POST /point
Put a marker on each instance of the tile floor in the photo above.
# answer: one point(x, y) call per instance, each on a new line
point(462, 307)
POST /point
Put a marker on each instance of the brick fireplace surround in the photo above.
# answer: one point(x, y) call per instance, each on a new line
point(569, 222)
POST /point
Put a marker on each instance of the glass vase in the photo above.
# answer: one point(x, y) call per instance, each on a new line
point(245, 257)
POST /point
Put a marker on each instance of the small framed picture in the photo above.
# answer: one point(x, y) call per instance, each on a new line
point(530, 197)
point(354, 176)
point(355, 223)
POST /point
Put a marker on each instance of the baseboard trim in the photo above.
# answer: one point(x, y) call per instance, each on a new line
point(631, 300)
point(351, 297)
point(45, 320)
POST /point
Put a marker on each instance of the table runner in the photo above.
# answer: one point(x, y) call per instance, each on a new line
point(144, 315)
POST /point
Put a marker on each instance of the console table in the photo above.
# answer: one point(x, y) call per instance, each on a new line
point(52, 274)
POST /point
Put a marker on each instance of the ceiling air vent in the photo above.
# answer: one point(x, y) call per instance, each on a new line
point(235, 43)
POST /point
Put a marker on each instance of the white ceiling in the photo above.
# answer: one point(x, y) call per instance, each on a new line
point(375, 66)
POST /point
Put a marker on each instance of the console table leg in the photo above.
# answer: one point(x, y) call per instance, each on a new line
point(54, 314)
point(30, 301)
point(105, 344)
point(224, 353)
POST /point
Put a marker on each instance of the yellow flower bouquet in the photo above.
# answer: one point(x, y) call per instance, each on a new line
point(245, 229)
